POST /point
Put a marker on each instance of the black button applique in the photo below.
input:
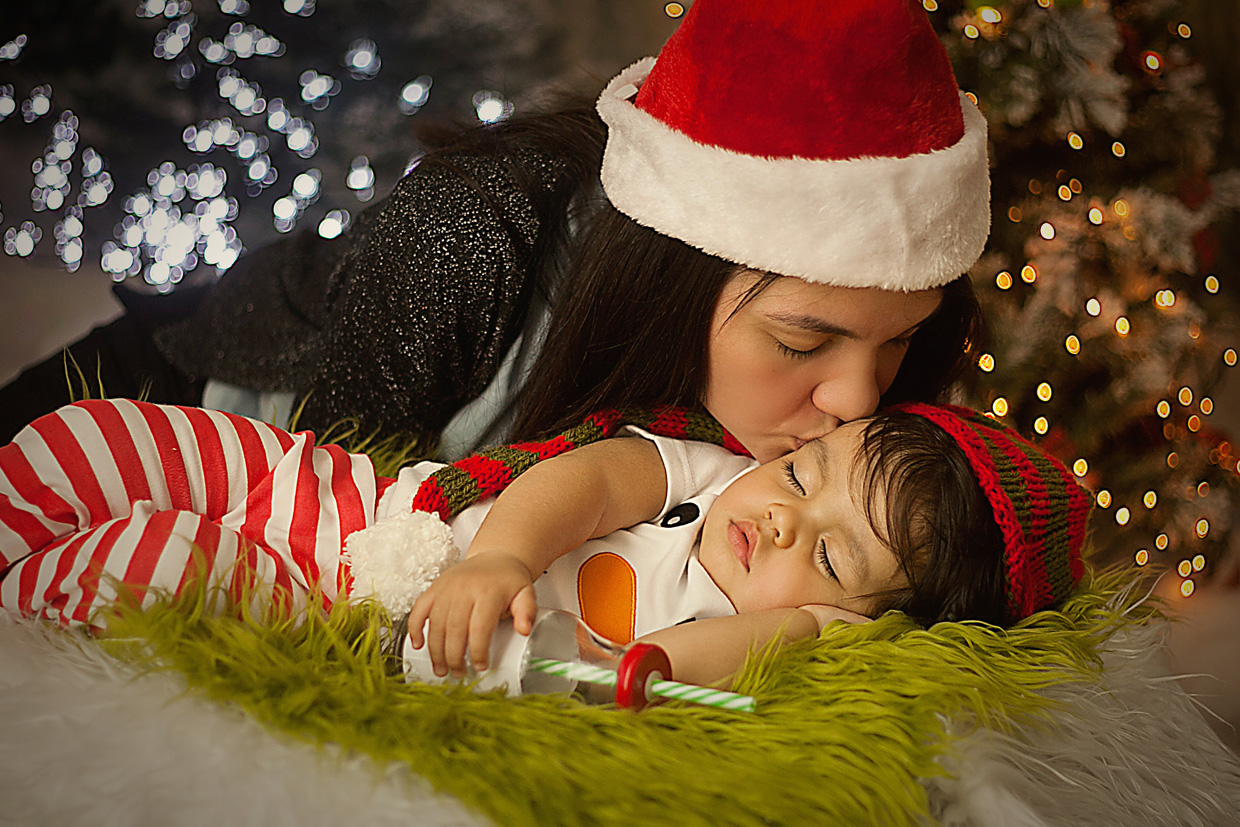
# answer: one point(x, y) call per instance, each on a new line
point(682, 514)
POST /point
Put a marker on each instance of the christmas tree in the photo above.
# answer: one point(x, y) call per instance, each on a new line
point(1111, 319)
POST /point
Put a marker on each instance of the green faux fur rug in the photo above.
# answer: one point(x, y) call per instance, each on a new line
point(845, 727)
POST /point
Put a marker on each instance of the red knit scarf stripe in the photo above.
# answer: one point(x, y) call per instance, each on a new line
point(488, 472)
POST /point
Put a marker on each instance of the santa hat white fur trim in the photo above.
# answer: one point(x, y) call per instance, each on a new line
point(893, 223)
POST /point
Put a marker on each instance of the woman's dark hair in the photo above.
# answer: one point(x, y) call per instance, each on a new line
point(630, 327)
point(941, 349)
point(923, 502)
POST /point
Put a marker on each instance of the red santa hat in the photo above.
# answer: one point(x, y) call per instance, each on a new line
point(824, 139)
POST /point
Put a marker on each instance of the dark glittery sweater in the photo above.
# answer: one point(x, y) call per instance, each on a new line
point(403, 319)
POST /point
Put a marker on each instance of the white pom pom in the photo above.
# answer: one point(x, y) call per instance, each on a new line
point(395, 559)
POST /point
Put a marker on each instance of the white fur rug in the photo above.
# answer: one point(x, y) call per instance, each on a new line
point(85, 741)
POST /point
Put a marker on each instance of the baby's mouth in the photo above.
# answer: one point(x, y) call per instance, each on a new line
point(741, 539)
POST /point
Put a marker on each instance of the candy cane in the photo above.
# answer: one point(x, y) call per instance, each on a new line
point(588, 673)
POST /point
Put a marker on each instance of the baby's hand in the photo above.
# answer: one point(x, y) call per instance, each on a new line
point(465, 603)
point(824, 614)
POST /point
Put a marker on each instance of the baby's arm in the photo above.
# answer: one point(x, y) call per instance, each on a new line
point(707, 651)
point(545, 513)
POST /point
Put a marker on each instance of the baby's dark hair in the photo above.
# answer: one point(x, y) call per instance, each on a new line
point(924, 503)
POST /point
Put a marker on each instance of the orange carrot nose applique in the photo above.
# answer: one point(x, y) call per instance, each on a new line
point(607, 594)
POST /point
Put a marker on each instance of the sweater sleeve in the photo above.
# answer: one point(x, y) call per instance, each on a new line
point(425, 309)
point(404, 321)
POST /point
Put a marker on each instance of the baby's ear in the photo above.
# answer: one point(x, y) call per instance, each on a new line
point(824, 614)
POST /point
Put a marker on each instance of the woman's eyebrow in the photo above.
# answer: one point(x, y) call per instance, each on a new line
point(817, 325)
point(813, 324)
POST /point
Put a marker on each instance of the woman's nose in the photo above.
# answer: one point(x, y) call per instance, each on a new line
point(851, 392)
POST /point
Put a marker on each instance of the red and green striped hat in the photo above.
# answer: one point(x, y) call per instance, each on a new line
point(1040, 508)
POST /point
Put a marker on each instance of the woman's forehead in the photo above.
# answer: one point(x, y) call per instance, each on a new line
point(831, 305)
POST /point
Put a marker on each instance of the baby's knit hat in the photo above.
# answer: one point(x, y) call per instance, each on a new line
point(1040, 508)
point(825, 140)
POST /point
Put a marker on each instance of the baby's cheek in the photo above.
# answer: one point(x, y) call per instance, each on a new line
point(790, 589)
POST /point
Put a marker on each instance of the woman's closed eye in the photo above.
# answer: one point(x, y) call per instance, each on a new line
point(794, 353)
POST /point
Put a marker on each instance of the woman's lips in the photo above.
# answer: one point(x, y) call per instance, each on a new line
point(741, 538)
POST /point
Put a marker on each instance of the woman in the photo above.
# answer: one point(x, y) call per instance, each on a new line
point(768, 242)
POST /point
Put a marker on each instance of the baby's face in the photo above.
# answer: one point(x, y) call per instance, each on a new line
point(794, 531)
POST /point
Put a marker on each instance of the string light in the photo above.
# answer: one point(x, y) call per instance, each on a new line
point(1203, 527)
point(1118, 150)
point(1194, 423)
point(676, 10)
point(1072, 344)
point(1003, 280)
point(1065, 193)
point(1122, 326)
point(1211, 283)
point(362, 59)
point(1122, 515)
point(1044, 392)
point(1207, 405)
point(1161, 542)
point(986, 362)
point(1150, 499)
point(1152, 62)
point(1014, 214)
point(1185, 396)
point(1000, 407)
point(334, 223)
point(1047, 230)
point(1165, 298)
point(1029, 273)
point(1104, 498)
point(1093, 307)
point(491, 106)
point(1163, 408)
point(971, 31)
point(1185, 568)
point(1187, 588)
point(1080, 467)
point(1229, 357)
point(1142, 556)
point(1199, 562)
point(1184, 31)
point(1041, 425)
point(989, 14)
point(1075, 141)
point(1095, 215)
point(415, 94)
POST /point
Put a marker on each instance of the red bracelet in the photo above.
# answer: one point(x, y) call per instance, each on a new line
point(641, 665)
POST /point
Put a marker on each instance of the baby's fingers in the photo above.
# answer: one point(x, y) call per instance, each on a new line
point(524, 609)
point(456, 633)
point(418, 614)
point(481, 628)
